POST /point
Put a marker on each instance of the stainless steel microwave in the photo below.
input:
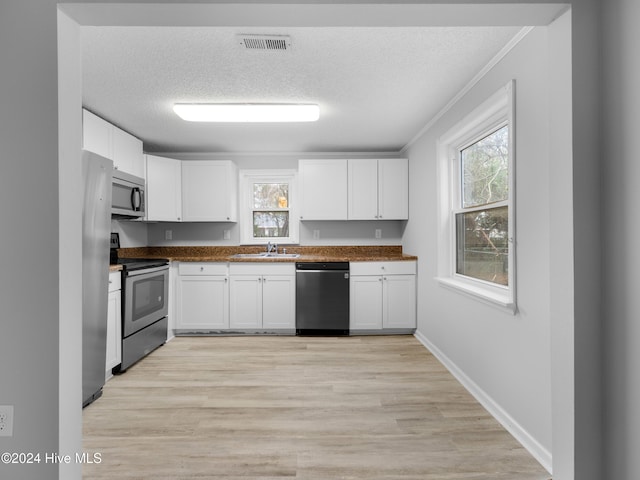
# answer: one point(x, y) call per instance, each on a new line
point(127, 196)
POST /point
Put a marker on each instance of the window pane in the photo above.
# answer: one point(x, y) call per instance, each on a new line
point(485, 170)
point(483, 244)
point(271, 195)
point(270, 224)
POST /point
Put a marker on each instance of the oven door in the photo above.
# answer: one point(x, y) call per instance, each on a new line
point(146, 298)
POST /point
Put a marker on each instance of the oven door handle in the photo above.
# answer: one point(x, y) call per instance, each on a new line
point(145, 271)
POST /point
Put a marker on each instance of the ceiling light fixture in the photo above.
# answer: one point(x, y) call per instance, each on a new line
point(247, 112)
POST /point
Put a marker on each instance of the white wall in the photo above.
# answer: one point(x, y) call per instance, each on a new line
point(506, 356)
point(70, 272)
point(621, 253)
point(131, 233)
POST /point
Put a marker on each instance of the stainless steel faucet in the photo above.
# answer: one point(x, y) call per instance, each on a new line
point(272, 248)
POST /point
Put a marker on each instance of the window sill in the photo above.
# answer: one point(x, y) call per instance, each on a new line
point(480, 292)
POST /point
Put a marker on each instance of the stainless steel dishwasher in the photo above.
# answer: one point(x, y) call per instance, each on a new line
point(322, 298)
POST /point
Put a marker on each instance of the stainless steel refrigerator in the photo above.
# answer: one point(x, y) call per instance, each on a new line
point(97, 174)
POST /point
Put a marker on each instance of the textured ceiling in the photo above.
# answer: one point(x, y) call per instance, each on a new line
point(376, 86)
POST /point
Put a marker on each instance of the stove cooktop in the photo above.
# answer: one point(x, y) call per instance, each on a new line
point(129, 264)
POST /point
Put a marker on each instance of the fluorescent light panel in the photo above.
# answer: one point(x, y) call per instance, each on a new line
point(247, 112)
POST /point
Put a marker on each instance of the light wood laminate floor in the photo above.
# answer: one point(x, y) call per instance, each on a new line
point(313, 408)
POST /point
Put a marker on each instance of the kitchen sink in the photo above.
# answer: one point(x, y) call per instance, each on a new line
point(266, 255)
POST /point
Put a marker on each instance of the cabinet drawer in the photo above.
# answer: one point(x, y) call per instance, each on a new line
point(258, 268)
point(383, 268)
point(114, 281)
point(202, 268)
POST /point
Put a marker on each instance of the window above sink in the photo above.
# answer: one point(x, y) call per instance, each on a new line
point(268, 206)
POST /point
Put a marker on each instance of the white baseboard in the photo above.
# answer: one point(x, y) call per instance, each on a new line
point(540, 453)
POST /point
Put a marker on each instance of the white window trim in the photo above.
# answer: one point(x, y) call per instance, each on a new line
point(495, 111)
point(247, 178)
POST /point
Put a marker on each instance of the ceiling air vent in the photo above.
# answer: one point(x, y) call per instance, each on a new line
point(280, 43)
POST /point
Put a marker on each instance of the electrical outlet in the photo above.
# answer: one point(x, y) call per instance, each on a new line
point(168, 234)
point(6, 420)
point(226, 234)
point(378, 233)
point(316, 234)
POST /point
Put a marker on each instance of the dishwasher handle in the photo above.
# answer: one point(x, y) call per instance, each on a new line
point(346, 274)
point(322, 266)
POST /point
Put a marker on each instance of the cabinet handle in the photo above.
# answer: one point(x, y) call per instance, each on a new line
point(226, 279)
point(380, 279)
point(202, 269)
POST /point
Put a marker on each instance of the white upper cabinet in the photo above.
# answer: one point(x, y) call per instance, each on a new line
point(164, 189)
point(378, 189)
point(96, 134)
point(323, 189)
point(393, 189)
point(358, 189)
point(209, 191)
point(103, 138)
point(363, 189)
point(127, 153)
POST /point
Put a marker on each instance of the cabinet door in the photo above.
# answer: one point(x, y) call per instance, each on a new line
point(365, 303)
point(96, 134)
point(399, 301)
point(246, 301)
point(127, 152)
point(363, 189)
point(203, 302)
point(323, 189)
point(164, 189)
point(209, 191)
point(114, 332)
point(393, 189)
point(279, 302)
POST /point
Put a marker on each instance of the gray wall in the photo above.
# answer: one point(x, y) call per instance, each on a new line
point(29, 255)
point(505, 357)
point(621, 229)
point(37, 271)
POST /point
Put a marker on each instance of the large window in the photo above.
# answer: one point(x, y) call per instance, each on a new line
point(267, 204)
point(476, 247)
point(482, 219)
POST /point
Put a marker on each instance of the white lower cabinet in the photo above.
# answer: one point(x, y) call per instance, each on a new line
point(114, 324)
point(365, 299)
point(262, 296)
point(382, 296)
point(203, 297)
